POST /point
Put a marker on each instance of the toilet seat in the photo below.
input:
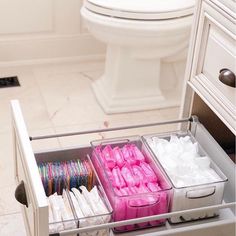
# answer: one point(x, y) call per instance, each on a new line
point(141, 9)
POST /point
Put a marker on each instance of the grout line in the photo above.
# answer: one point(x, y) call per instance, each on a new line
point(9, 214)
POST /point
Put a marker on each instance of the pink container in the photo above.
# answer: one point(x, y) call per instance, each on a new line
point(136, 186)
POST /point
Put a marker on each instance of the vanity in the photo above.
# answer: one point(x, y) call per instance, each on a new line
point(208, 112)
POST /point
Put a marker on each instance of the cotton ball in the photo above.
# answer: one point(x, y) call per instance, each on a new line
point(174, 139)
point(168, 163)
point(174, 149)
point(185, 138)
point(187, 157)
point(203, 162)
point(159, 140)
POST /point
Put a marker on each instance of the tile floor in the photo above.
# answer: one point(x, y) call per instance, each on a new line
point(56, 98)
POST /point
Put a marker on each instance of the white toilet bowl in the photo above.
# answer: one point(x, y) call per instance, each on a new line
point(139, 35)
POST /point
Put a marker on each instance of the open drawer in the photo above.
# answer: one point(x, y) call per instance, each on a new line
point(34, 201)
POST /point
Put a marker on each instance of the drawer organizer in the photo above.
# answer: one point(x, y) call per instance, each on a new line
point(134, 183)
point(186, 161)
point(64, 183)
point(31, 194)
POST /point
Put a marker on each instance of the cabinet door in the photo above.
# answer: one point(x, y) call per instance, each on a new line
point(30, 189)
point(215, 53)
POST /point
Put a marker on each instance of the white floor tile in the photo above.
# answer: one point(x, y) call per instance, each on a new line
point(45, 144)
point(93, 75)
point(12, 225)
point(8, 203)
point(28, 94)
point(6, 160)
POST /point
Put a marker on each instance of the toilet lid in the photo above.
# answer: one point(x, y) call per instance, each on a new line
point(142, 9)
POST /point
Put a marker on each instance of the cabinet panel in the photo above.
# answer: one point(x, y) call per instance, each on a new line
point(214, 51)
point(220, 53)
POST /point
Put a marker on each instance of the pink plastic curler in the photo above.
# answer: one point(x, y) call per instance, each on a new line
point(137, 203)
point(153, 187)
point(108, 157)
point(128, 176)
point(118, 155)
point(148, 171)
point(120, 206)
point(118, 180)
point(139, 174)
point(162, 206)
point(137, 153)
point(128, 155)
point(131, 212)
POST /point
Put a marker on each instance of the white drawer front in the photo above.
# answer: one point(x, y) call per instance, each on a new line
point(227, 5)
point(27, 211)
point(36, 213)
point(220, 53)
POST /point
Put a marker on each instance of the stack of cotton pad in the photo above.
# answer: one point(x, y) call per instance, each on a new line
point(60, 213)
point(90, 209)
point(181, 160)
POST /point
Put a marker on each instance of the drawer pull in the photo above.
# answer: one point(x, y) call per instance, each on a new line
point(201, 193)
point(227, 77)
point(20, 194)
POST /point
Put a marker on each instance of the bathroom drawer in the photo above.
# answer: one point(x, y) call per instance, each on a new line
point(220, 53)
point(35, 211)
point(215, 50)
point(226, 5)
point(36, 214)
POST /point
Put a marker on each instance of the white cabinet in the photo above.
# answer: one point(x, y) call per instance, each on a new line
point(213, 58)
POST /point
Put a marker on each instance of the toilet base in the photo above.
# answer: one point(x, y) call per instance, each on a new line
point(134, 81)
point(111, 104)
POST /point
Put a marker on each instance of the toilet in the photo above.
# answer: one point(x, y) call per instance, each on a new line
point(145, 41)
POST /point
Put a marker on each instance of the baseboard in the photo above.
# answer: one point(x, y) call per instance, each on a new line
point(55, 49)
point(82, 58)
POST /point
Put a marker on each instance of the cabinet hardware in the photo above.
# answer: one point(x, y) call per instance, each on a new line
point(227, 77)
point(20, 194)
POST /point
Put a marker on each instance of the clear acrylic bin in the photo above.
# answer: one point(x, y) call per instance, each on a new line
point(192, 196)
point(77, 222)
point(133, 205)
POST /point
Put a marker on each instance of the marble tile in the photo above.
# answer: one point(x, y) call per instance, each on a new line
point(42, 71)
point(93, 75)
point(70, 101)
point(6, 160)
point(42, 145)
point(85, 139)
point(8, 203)
point(28, 94)
point(12, 224)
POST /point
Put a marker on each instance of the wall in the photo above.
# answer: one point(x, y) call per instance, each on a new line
point(36, 30)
